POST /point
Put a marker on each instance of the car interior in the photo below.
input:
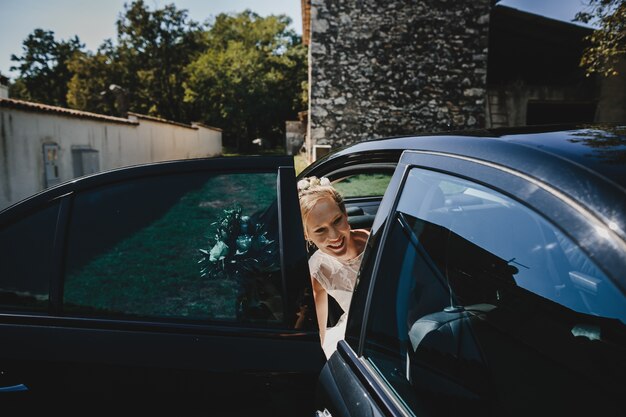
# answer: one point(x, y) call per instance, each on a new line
point(487, 289)
point(362, 188)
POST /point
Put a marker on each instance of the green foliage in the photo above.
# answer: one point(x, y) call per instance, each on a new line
point(18, 89)
point(43, 68)
point(363, 185)
point(155, 47)
point(608, 43)
point(147, 62)
point(88, 89)
point(244, 73)
point(249, 79)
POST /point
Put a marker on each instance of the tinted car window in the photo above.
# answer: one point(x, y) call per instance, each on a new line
point(26, 267)
point(192, 246)
point(486, 308)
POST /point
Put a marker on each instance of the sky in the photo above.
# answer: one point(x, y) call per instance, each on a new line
point(555, 9)
point(93, 21)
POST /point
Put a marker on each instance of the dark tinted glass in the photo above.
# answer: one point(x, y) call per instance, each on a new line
point(482, 307)
point(26, 267)
point(194, 246)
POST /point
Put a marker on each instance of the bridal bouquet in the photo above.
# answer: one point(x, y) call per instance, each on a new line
point(238, 247)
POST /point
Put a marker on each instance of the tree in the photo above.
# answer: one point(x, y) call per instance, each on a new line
point(43, 67)
point(608, 42)
point(243, 73)
point(93, 74)
point(155, 47)
point(146, 64)
point(249, 78)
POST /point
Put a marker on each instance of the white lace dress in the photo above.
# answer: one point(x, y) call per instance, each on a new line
point(338, 279)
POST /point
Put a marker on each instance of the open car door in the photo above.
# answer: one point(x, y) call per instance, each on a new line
point(185, 282)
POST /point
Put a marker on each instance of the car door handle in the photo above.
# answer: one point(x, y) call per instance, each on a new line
point(14, 388)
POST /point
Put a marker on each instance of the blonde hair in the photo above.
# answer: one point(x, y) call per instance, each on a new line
point(311, 190)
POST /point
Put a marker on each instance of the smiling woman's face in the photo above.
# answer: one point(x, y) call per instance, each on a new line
point(327, 226)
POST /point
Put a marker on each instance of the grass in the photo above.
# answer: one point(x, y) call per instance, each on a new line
point(363, 185)
point(155, 271)
point(300, 163)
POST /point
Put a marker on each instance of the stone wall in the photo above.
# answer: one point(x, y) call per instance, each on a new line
point(395, 67)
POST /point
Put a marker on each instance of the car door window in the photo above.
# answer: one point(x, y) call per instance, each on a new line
point(362, 192)
point(195, 246)
point(27, 260)
point(480, 305)
point(363, 185)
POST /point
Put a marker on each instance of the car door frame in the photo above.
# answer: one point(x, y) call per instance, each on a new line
point(346, 162)
point(266, 353)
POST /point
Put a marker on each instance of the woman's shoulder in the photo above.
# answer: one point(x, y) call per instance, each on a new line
point(321, 266)
point(324, 264)
point(360, 236)
point(361, 233)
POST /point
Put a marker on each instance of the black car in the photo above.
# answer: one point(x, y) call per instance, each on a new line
point(493, 282)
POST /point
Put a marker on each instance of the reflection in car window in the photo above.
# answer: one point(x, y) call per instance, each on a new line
point(363, 185)
point(26, 267)
point(191, 246)
point(480, 296)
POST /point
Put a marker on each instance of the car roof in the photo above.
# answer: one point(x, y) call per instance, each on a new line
point(600, 149)
point(587, 163)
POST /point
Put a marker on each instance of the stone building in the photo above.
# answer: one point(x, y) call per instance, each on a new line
point(534, 76)
point(402, 67)
point(395, 67)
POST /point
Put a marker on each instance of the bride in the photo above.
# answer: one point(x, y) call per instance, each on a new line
point(335, 264)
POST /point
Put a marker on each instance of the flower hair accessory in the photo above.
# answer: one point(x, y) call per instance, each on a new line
point(306, 183)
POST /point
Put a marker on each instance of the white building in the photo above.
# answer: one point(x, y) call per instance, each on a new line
point(43, 145)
